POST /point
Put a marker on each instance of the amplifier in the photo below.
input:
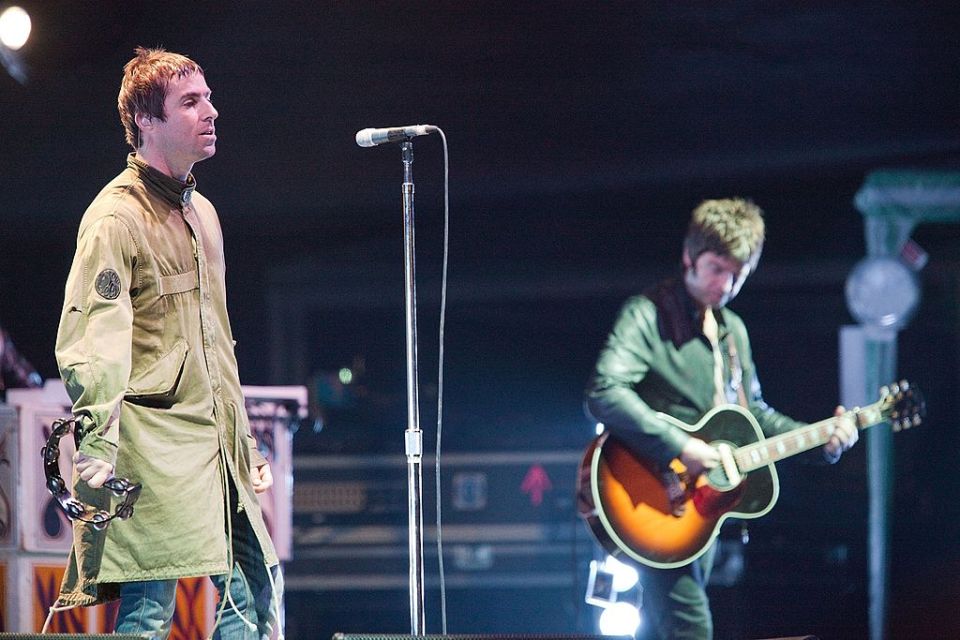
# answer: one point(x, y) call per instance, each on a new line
point(508, 521)
point(511, 636)
point(68, 636)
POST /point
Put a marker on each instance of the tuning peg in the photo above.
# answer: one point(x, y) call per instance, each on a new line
point(917, 420)
point(904, 385)
point(895, 389)
point(896, 426)
point(884, 391)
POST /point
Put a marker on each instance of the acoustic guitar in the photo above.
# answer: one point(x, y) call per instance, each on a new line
point(664, 518)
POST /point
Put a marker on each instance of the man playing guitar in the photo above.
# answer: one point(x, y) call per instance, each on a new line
point(676, 351)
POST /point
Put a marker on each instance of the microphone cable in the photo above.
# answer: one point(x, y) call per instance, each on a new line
point(443, 319)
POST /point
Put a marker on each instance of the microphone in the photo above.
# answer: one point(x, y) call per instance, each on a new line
point(373, 137)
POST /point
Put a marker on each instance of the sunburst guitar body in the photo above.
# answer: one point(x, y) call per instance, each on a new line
point(663, 517)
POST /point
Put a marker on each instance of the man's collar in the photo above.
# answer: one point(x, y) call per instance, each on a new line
point(170, 189)
point(694, 312)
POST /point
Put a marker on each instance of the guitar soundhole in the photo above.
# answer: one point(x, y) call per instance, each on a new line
point(718, 479)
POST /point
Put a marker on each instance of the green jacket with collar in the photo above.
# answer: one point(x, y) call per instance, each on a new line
point(656, 359)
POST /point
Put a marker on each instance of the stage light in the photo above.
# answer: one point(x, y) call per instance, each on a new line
point(600, 591)
point(14, 27)
point(882, 293)
point(625, 577)
point(620, 619)
point(614, 587)
point(610, 581)
point(345, 375)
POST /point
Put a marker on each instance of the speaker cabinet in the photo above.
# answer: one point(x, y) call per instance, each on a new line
point(530, 636)
point(67, 636)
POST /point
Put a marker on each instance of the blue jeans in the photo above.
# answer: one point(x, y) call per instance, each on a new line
point(147, 607)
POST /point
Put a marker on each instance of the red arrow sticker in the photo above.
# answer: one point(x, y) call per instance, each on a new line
point(536, 483)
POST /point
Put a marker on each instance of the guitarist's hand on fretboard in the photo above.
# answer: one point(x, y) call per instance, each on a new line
point(845, 435)
point(697, 456)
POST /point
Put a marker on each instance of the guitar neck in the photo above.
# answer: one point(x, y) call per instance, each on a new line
point(788, 444)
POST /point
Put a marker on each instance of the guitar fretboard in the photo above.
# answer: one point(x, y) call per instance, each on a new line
point(769, 450)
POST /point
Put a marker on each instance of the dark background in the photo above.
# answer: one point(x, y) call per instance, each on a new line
point(581, 134)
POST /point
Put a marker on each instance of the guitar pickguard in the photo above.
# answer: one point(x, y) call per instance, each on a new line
point(712, 504)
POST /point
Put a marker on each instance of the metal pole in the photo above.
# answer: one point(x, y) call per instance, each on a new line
point(867, 362)
point(881, 354)
point(413, 437)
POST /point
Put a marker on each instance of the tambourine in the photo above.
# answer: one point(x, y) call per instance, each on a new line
point(73, 508)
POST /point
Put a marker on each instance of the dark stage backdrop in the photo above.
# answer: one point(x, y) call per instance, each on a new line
point(581, 135)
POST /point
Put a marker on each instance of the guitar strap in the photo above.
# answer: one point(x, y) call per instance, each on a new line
point(736, 371)
point(736, 381)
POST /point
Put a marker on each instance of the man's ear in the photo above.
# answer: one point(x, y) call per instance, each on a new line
point(144, 121)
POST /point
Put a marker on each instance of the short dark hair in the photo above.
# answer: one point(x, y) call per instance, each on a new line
point(144, 86)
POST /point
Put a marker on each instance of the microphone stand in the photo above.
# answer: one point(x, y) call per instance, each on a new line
point(413, 437)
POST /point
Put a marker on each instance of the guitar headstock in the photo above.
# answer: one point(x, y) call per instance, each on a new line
point(902, 404)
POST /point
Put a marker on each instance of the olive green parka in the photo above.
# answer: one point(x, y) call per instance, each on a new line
point(146, 351)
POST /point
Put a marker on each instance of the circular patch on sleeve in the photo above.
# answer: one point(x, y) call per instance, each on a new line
point(108, 284)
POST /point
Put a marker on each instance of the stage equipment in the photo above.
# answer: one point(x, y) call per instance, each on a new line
point(413, 437)
point(68, 636)
point(14, 28)
point(882, 294)
point(462, 636)
point(14, 33)
point(36, 534)
point(620, 619)
point(614, 587)
point(72, 507)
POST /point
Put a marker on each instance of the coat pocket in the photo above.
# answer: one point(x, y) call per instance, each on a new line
point(178, 283)
point(161, 379)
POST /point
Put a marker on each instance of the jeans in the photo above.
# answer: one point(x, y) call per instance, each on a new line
point(147, 607)
point(675, 600)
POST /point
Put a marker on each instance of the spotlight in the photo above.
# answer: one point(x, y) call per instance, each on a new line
point(625, 577)
point(14, 32)
point(620, 619)
point(882, 293)
point(614, 587)
point(600, 591)
point(14, 27)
